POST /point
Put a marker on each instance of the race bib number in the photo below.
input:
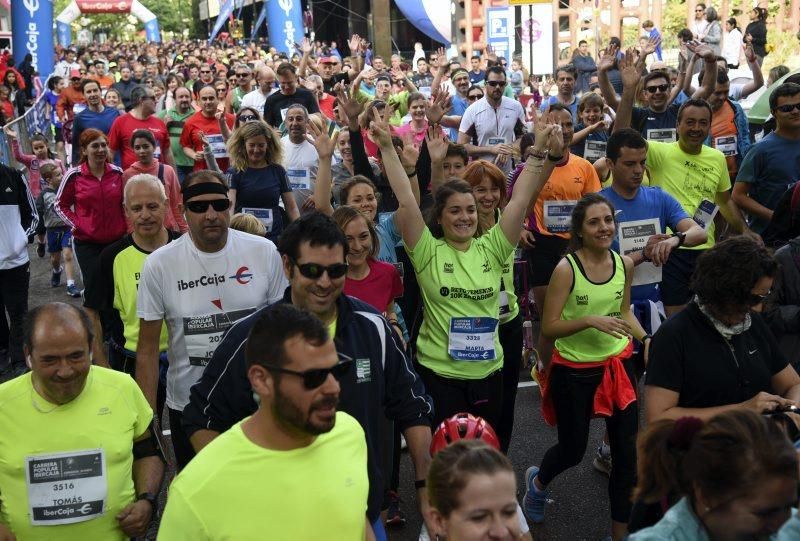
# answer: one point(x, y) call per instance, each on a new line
point(425, 91)
point(264, 216)
point(157, 152)
point(497, 141)
point(65, 488)
point(78, 108)
point(472, 338)
point(204, 333)
point(726, 144)
point(217, 144)
point(558, 215)
point(704, 215)
point(662, 136)
point(299, 179)
point(633, 237)
point(594, 150)
point(504, 308)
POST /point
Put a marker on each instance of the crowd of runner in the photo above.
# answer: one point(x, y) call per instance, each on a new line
point(307, 262)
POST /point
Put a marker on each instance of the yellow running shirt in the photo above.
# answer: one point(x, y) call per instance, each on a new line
point(235, 489)
point(71, 461)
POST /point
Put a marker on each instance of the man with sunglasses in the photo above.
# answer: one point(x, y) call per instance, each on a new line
point(141, 117)
point(200, 285)
point(296, 456)
point(491, 125)
point(773, 164)
point(244, 77)
point(206, 74)
point(381, 384)
point(265, 86)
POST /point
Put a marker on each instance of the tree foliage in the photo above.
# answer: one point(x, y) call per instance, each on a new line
point(173, 16)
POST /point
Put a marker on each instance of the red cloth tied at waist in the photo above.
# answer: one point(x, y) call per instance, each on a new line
point(615, 389)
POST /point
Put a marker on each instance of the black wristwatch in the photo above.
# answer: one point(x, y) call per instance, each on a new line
point(681, 237)
point(151, 498)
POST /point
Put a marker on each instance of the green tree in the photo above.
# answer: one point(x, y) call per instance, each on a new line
point(173, 16)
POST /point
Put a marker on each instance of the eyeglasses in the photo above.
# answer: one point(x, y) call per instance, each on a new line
point(314, 271)
point(787, 108)
point(496, 83)
point(199, 207)
point(472, 97)
point(149, 81)
point(247, 118)
point(315, 377)
point(243, 75)
point(205, 71)
point(657, 88)
point(756, 299)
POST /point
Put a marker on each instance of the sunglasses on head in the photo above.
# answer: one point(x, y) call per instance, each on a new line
point(496, 83)
point(787, 108)
point(314, 271)
point(247, 118)
point(315, 377)
point(198, 207)
point(657, 88)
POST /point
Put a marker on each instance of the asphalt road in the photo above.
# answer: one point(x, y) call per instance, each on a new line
point(579, 507)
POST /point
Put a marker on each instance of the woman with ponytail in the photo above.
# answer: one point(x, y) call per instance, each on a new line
point(734, 478)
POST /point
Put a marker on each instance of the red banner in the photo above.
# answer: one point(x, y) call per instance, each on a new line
point(104, 6)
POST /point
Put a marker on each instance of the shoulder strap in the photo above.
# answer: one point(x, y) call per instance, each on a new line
point(161, 173)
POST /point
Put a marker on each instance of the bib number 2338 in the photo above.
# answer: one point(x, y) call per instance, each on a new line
point(472, 338)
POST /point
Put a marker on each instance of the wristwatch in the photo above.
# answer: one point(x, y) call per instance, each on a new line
point(681, 237)
point(149, 497)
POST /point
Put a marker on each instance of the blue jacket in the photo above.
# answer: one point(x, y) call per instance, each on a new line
point(743, 143)
point(381, 384)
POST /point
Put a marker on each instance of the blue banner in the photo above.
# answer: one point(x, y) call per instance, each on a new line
point(64, 32)
point(152, 32)
point(224, 12)
point(262, 16)
point(284, 23)
point(32, 32)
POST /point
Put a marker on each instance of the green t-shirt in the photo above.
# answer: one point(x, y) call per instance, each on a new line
point(79, 455)
point(689, 178)
point(174, 122)
point(235, 489)
point(588, 298)
point(460, 292)
point(400, 103)
point(509, 305)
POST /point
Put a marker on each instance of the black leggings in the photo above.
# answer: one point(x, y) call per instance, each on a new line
point(511, 340)
point(572, 390)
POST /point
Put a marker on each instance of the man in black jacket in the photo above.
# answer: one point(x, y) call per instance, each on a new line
point(383, 384)
point(18, 220)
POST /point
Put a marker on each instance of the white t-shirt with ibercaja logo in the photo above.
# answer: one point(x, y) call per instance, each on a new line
point(200, 295)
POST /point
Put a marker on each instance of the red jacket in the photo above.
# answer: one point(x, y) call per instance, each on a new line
point(92, 207)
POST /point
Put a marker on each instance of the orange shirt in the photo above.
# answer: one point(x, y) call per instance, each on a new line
point(568, 183)
point(724, 134)
point(104, 81)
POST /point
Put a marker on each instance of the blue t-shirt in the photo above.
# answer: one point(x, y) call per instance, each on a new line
point(457, 107)
point(599, 135)
point(770, 167)
point(87, 119)
point(261, 189)
point(475, 78)
point(550, 100)
point(644, 119)
point(649, 202)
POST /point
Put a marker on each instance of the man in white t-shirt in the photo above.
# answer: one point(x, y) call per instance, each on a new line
point(300, 157)
point(265, 85)
point(200, 285)
point(490, 126)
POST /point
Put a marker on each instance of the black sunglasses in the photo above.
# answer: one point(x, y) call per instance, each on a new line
point(243, 75)
point(199, 207)
point(756, 299)
point(314, 271)
point(247, 118)
point(496, 83)
point(659, 88)
point(315, 377)
point(205, 71)
point(474, 96)
point(787, 108)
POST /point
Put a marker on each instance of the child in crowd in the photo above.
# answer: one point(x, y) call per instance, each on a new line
point(248, 224)
point(59, 236)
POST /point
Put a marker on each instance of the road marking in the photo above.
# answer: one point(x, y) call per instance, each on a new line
point(524, 384)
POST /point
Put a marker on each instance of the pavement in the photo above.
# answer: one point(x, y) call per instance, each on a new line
point(578, 510)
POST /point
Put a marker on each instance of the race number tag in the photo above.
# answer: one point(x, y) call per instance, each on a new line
point(704, 215)
point(64, 488)
point(299, 179)
point(504, 308)
point(472, 338)
point(157, 152)
point(217, 144)
point(633, 237)
point(558, 215)
point(662, 136)
point(264, 216)
point(726, 144)
point(204, 333)
point(594, 150)
point(78, 108)
point(497, 141)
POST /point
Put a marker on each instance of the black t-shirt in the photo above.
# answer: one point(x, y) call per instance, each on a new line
point(690, 357)
point(328, 84)
point(276, 105)
point(259, 189)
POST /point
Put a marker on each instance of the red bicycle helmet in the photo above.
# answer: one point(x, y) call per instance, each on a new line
point(463, 426)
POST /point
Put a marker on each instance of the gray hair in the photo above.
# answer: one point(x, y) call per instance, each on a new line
point(139, 93)
point(298, 106)
point(144, 180)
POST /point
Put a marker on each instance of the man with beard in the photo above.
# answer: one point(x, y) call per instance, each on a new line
point(200, 285)
point(565, 80)
point(96, 115)
point(175, 119)
point(299, 157)
point(265, 86)
point(694, 174)
point(214, 123)
point(141, 117)
point(296, 452)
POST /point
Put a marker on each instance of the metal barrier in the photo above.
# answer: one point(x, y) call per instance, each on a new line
point(35, 120)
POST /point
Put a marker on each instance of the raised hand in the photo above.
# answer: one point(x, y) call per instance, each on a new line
point(607, 58)
point(354, 43)
point(379, 129)
point(322, 142)
point(547, 85)
point(440, 105)
point(543, 132)
point(490, 53)
point(347, 103)
point(220, 114)
point(409, 153)
point(628, 71)
point(703, 51)
point(9, 132)
point(397, 74)
point(749, 53)
point(304, 46)
point(437, 144)
point(441, 58)
point(651, 45)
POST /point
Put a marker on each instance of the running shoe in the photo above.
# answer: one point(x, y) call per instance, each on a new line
point(602, 462)
point(55, 278)
point(40, 249)
point(73, 291)
point(394, 516)
point(534, 500)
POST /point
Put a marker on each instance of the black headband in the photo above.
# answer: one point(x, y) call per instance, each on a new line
point(202, 188)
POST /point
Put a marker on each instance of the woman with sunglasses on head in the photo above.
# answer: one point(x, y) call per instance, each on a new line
point(258, 181)
point(718, 354)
